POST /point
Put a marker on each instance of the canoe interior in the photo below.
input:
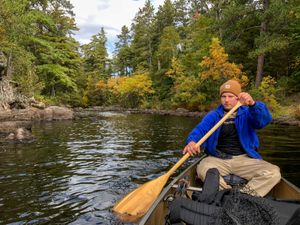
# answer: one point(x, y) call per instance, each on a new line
point(284, 190)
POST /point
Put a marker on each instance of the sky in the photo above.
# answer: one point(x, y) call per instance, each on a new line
point(91, 15)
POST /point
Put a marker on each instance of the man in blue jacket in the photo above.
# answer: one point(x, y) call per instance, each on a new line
point(232, 148)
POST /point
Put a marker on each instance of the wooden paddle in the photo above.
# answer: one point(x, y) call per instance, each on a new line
point(137, 202)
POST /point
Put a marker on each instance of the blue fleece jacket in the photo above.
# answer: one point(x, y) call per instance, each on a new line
point(247, 120)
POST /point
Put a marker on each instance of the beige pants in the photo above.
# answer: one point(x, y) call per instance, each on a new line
point(262, 176)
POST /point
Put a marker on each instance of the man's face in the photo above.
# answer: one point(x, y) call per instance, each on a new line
point(228, 100)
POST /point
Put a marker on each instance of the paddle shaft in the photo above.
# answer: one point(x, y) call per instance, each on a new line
point(204, 138)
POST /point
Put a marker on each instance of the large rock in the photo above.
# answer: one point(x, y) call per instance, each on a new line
point(56, 113)
point(16, 130)
point(16, 125)
point(20, 134)
point(7, 127)
point(34, 114)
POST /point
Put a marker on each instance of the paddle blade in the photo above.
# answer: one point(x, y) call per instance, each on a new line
point(137, 202)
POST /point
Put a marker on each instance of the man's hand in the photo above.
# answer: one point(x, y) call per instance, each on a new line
point(246, 99)
point(191, 149)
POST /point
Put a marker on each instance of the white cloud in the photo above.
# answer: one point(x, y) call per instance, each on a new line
point(91, 15)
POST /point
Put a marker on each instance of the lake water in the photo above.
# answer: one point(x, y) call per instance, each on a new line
point(75, 171)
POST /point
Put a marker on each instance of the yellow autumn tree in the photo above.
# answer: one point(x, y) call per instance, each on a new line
point(130, 91)
point(217, 67)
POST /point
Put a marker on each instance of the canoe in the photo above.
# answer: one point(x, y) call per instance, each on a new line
point(284, 190)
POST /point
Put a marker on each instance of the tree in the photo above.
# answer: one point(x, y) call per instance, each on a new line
point(142, 46)
point(217, 66)
point(261, 56)
point(130, 91)
point(216, 69)
point(123, 51)
point(96, 56)
point(96, 65)
point(181, 17)
point(197, 43)
point(257, 34)
point(165, 17)
point(56, 53)
point(168, 47)
point(17, 63)
point(186, 89)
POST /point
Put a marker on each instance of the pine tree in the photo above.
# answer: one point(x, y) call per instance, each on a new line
point(181, 17)
point(142, 45)
point(123, 52)
point(57, 57)
point(259, 36)
point(168, 47)
point(96, 56)
point(164, 17)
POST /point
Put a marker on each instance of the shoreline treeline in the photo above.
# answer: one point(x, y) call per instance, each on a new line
point(173, 57)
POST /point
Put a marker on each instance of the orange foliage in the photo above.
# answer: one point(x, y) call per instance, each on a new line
point(217, 66)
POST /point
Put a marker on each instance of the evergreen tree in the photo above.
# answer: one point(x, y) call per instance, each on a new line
point(259, 37)
point(17, 25)
point(57, 57)
point(96, 67)
point(96, 56)
point(168, 47)
point(164, 17)
point(142, 45)
point(197, 43)
point(181, 17)
point(123, 51)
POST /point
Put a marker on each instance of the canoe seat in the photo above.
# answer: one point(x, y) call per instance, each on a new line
point(235, 180)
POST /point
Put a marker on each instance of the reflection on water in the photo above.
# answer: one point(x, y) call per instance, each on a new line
point(76, 170)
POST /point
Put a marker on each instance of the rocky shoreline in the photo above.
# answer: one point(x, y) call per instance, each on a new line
point(16, 124)
point(81, 113)
point(92, 111)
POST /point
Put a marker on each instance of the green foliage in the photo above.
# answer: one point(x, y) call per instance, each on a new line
point(55, 74)
point(184, 67)
point(197, 43)
point(36, 37)
point(29, 84)
point(124, 55)
point(96, 56)
point(268, 44)
point(142, 28)
point(266, 92)
point(168, 47)
point(186, 90)
point(293, 83)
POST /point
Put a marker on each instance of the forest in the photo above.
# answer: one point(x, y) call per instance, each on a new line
point(173, 57)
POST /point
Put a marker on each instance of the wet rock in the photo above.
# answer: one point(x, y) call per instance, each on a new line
point(35, 114)
point(15, 124)
point(182, 110)
point(55, 113)
point(20, 134)
point(11, 126)
point(39, 105)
